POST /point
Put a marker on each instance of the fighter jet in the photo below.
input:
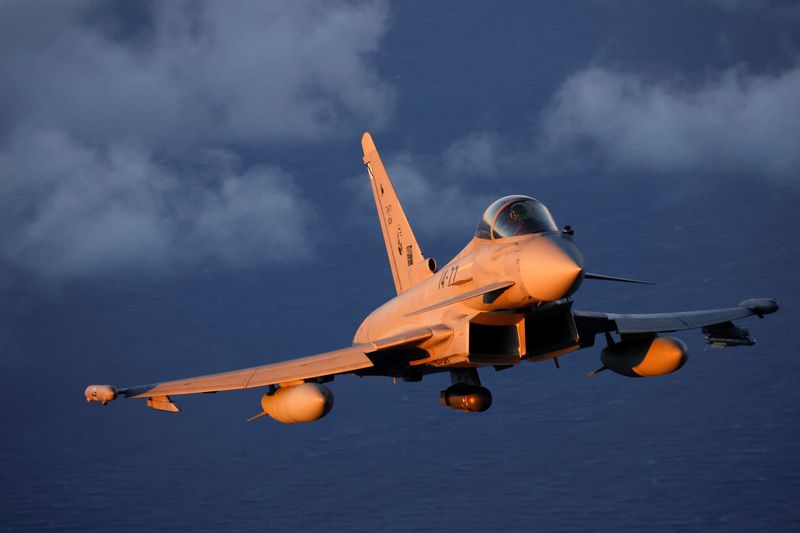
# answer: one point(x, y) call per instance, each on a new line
point(504, 299)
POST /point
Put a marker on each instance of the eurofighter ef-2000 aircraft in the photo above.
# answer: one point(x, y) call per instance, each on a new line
point(505, 298)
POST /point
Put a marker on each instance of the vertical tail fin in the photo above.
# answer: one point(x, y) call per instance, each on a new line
point(409, 266)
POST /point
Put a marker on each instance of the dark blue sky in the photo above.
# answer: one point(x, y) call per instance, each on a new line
point(174, 177)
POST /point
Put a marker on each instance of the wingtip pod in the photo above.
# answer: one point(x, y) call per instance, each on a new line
point(761, 306)
point(100, 393)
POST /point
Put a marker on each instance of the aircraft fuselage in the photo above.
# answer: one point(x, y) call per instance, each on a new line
point(528, 271)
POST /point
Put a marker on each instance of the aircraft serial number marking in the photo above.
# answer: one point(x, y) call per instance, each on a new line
point(448, 277)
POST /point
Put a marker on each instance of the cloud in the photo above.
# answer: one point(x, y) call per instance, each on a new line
point(123, 128)
point(252, 217)
point(70, 211)
point(202, 72)
point(432, 198)
point(475, 154)
point(737, 123)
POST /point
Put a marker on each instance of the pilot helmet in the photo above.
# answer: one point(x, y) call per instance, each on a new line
point(518, 212)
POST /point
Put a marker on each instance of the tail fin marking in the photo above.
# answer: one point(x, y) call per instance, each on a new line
point(405, 257)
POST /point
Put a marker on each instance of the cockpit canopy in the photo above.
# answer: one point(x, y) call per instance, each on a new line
point(512, 216)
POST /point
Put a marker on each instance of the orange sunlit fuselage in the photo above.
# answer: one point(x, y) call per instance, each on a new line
point(529, 270)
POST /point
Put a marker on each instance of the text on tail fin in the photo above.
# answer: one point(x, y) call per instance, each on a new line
point(408, 265)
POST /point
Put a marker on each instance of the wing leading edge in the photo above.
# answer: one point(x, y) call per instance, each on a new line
point(346, 360)
point(593, 323)
point(325, 364)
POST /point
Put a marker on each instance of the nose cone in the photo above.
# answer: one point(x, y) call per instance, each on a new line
point(551, 268)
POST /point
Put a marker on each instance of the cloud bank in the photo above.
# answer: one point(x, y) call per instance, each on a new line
point(602, 119)
point(70, 210)
point(121, 126)
point(735, 123)
point(195, 71)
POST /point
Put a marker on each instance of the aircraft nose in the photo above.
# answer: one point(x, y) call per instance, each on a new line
point(551, 268)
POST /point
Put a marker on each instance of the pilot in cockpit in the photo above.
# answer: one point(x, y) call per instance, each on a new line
point(512, 216)
point(518, 215)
